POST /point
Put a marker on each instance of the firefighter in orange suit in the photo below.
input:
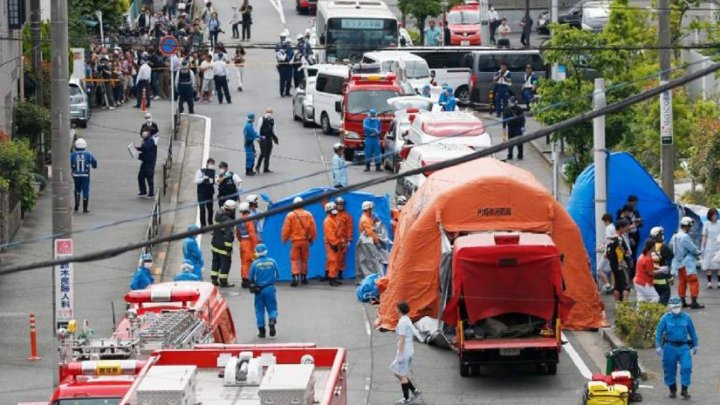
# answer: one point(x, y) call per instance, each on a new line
point(395, 212)
point(367, 221)
point(345, 223)
point(299, 229)
point(245, 233)
point(333, 236)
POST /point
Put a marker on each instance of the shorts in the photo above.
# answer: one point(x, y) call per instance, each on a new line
point(621, 281)
point(207, 85)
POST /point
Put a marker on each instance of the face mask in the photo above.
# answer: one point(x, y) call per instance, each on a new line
point(148, 265)
point(144, 135)
point(149, 122)
point(222, 171)
point(676, 311)
point(210, 166)
point(334, 212)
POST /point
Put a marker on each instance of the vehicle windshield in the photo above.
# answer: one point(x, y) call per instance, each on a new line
point(88, 401)
point(416, 70)
point(422, 105)
point(349, 38)
point(596, 12)
point(361, 101)
point(463, 17)
point(448, 129)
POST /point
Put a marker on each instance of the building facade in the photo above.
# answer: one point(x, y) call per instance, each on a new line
point(12, 17)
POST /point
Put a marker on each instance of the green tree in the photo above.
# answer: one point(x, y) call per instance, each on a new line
point(421, 10)
point(16, 170)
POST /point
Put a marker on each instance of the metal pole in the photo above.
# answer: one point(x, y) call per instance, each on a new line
point(555, 170)
point(667, 158)
point(484, 23)
point(600, 155)
point(172, 96)
point(102, 31)
point(554, 19)
point(554, 76)
point(60, 110)
point(36, 51)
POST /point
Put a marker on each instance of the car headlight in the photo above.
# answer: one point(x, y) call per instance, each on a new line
point(350, 135)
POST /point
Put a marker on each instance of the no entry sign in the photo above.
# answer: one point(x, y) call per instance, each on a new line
point(168, 45)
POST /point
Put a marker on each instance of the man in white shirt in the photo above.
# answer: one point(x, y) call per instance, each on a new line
point(494, 19)
point(220, 72)
point(207, 68)
point(142, 82)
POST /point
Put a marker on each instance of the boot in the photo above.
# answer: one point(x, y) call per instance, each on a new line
point(695, 304)
point(261, 333)
point(272, 327)
point(77, 201)
point(334, 282)
point(367, 167)
point(245, 283)
point(294, 282)
point(684, 303)
point(684, 392)
point(304, 279)
point(378, 168)
point(325, 277)
point(339, 275)
point(214, 281)
point(85, 206)
point(673, 391)
point(225, 284)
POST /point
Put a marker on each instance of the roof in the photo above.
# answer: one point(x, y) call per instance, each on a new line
point(439, 151)
point(329, 68)
point(393, 55)
point(346, 8)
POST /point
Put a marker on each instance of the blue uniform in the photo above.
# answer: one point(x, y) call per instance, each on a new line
point(672, 335)
point(371, 130)
point(264, 273)
point(193, 255)
point(450, 103)
point(250, 137)
point(502, 91)
point(141, 279)
point(80, 163)
point(187, 276)
point(442, 99)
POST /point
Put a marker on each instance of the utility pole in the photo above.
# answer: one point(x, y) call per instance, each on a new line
point(667, 156)
point(37, 50)
point(60, 111)
point(600, 155)
point(484, 23)
point(554, 20)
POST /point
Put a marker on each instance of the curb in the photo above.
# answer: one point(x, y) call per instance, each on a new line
point(608, 334)
point(542, 153)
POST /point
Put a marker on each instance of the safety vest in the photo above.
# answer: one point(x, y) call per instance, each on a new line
point(242, 228)
point(267, 126)
point(184, 77)
point(227, 186)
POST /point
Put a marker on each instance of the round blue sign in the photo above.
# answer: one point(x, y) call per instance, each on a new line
point(168, 45)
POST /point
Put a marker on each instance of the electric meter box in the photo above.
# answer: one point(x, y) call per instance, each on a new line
point(288, 384)
point(164, 385)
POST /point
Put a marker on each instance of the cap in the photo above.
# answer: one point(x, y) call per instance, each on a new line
point(686, 221)
point(80, 144)
point(674, 302)
point(372, 111)
point(338, 146)
point(339, 201)
point(193, 227)
point(251, 116)
point(230, 205)
point(300, 36)
point(148, 116)
point(251, 198)
point(261, 249)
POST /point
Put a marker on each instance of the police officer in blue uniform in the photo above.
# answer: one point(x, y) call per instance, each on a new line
point(371, 130)
point(187, 273)
point(148, 157)
point(143, 276)
point(250, 137)
point(192, 253)
point(675, 339)
point(185, 79)
point(263, 274)
point(81, 161)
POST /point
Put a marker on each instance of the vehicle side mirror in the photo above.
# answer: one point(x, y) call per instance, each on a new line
point(338, 106)
point(322, 39)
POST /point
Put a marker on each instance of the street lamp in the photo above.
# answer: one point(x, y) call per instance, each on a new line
point(98, 14)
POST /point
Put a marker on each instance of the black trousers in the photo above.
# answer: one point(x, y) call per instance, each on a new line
point(246, 30)
point(221, 86)
point(663, 291)
point(220, 267)
point(285, 71)
point(185, 95)
point(519, 148)
point(235, 31)
point(206, 210)
point(265, 151)
point(147, 175)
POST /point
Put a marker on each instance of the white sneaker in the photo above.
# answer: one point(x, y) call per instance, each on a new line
point(415, 395)
point(402, 401)
point(156, 98)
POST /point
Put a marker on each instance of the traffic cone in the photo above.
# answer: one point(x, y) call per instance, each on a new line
point(33, 340)
point(143, 102)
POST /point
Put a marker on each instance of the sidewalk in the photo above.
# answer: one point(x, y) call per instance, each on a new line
point(97, 284)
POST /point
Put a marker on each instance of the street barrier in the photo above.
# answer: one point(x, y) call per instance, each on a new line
point(33, 340)
point(153, 228)
point(167, 165)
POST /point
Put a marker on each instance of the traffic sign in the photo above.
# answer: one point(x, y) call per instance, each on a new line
point(168, 45)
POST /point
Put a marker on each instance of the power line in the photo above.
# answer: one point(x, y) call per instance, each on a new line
point(584, 117)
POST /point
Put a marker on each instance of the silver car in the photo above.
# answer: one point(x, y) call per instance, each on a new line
point(79, 106)
point(303, 109)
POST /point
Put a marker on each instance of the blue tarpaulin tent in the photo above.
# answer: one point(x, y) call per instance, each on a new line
point(625, 176)
point(272, 229)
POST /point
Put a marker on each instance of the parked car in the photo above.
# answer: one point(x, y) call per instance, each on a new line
point(302, 108)
point(79, 106)
point(568, 13)
point(406, 109)
point(449, 127)
point(421, 156)
point(595, 16)
point(464, 24)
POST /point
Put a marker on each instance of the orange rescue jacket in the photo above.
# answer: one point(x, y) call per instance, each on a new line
point(366, 226)
point(299, 225)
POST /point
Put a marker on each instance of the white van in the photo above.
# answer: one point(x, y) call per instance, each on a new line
point(328, 89)
point(404, 64)
point(424, 155)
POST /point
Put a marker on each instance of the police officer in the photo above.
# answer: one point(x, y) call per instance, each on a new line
point(502, 82)
point(221, 246)
point(186, 273)
point(284, 55)
point(185, 79)
point(514, 121)
point(143, 276)
point(148, 157)
point(229, 184)
point(250, 136)
point(266, 128)
point(529, 85)
point(205, 181)
point(297, 61)
point(675, 338)
point(263, 274)
point(192, 253)
point(81, 161)
point(371, 130)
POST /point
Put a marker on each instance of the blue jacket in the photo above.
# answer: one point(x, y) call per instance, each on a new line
point(148, 151)
point(141, 279)
point(686, 253)
point(339, 171)
point(264, 272)
point(371, 126)
point(450, 103)
point(187, 276)
point(250, 134)
point(675, 328)
point(81, 162)
point(193, 255)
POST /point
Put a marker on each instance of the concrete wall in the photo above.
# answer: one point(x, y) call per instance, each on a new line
point(9, 69)
point(707, 87)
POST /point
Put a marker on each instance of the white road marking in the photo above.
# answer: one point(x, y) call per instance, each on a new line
point(647, 386)
point(575, 357)
point(13, 314)
point(277, 5)
point(206, 156)
point(322, 157)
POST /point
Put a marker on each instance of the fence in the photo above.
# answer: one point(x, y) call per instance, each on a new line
point(153, 228)
point(167, 164)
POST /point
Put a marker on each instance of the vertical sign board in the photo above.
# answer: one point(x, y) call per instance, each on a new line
point(666, 118)
point(63, 284)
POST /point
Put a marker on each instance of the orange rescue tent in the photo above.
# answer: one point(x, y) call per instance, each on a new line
point(481, 195)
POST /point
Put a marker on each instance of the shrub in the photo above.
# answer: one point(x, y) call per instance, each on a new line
point(16, 167)
point(636, 323)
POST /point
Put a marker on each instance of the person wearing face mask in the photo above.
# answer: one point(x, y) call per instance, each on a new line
point(266, 128)
point(143, 275)
point(675, 340)
point(205, 180)
point(371, 130)
point(250, 136)
point(229, 184)
point(148, 157)
point(192, 253)
point(151, 127)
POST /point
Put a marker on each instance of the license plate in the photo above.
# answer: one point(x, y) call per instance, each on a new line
point(464, 43)
point(509, 352)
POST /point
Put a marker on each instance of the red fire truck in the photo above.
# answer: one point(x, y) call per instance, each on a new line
point(362, 93)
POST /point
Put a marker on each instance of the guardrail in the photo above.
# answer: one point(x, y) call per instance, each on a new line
point(168, 162)
point(153, 228)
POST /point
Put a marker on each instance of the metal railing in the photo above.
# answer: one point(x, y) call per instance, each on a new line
point(153, 228)
point(167, 164)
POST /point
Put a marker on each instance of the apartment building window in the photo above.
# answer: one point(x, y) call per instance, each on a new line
point(16, 14)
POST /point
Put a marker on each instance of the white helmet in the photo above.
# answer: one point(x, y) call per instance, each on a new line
point(244, 206)
point(338, 146)
point(368, 205)
point(656, 230)
point(230, 205)
point(80, 144)
point(252, 198)
point(330, 207)
point(297, 199)
point(686, 221)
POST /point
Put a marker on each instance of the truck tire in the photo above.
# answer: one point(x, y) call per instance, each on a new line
point(551, 369)
point(325, 124)
point(465, 370)
point(462, 94)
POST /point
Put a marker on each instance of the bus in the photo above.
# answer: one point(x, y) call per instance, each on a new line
point(346, 29)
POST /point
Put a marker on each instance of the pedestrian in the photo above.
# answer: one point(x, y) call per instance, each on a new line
point(400, 202)
point(146, 174)
point(426, 91)
point(235, 21)
point(646, 270)
point(250, 136)
point(145, 20)
point(263, 275)
point(514, 121)
point(185, 79)
point(246, 10)
point(151, 127)
point(214, 30)
point(636, 222)
point(333, 239)
point(431, 35)
point(81, 161)
point(442, 98)
point(142, 83)
point(503, 31)
point(503, 81)
point(220, 73)
point(229, 184)
point(156, 63)
point(684, 263)
point(603, 268)
point(339, 167)
point(247, 238)
point(710, 246)
point(207, 68)
point(299, 229)
point(371, 131)
point(192, 253)
point(526, 24)
point(221, 245)
point(530, 82)
point(345, 225)
point(617, 254)
point(494, 19)
point(675, 339)
point(402, 363)
point(207, 13)
point(662, 255)
point(239, 63)
point(205, 181)
point(447, 35)
point(253, 200)
point(266, 130)
point(186, 273)
point(143, 276)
